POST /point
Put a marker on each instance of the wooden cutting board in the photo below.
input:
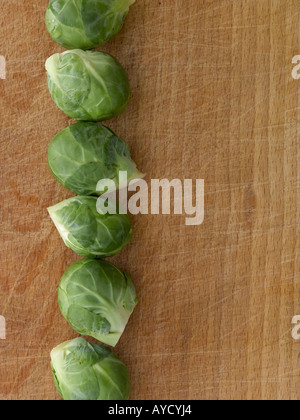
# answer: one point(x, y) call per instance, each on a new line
point(212, 98)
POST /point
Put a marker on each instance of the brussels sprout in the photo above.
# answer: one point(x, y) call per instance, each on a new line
point(88, 85)
point(84, 153)
point(85, 24)
point(97, 299)
point(88, 372)
point(87, 232)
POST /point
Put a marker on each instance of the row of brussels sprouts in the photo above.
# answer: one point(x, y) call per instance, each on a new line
point(95, 297)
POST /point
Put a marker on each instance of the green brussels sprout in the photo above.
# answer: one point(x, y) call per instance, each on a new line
point(87, 232)
point(85, 24)
point(88, 85)
point(97, 299)
point(84, 153)
point(88, 372)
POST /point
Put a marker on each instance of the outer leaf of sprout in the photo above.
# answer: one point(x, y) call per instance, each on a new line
point(84, 153)
point(88, 85)
point(84, 371)
point(97, 299)
point(85, 24)
point(88, 233)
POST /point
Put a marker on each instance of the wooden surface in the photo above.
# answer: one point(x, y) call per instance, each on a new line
point(212, 98)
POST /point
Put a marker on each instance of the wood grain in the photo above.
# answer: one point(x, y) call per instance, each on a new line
point(212, 98)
